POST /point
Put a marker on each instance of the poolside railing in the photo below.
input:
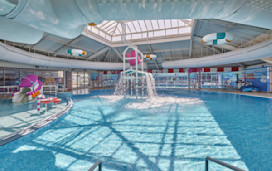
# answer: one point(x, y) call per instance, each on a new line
point(97, 164)
point(51, 89)
point(220, 163)
point(8, 89)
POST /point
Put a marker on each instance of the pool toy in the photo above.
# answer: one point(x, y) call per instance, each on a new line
point(76, 52)
point(150, 56)
point(132, 54)
point(217, 38)
point(29, 89)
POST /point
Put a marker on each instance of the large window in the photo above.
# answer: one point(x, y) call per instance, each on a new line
point(12, 77)
point(80, 80)
point(171, 80)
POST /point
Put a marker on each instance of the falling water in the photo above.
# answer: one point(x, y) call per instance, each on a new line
point(149, 86)
point(119, 89)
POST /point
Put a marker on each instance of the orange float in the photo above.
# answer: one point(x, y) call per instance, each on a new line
point(56, 100)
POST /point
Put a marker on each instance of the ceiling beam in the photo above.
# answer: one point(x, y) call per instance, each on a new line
point(236, 25)
point(104, 60)
point(192, 37)
point(68, 44)
point(227, 46)
point(98, 53)
point(117, 53)
point(32, 46)
point(65, 43)
point(151, 51)
point(168, 50)
point(267, 60)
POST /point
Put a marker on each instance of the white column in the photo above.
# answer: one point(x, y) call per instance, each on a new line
point(38, 104)
point(142, 85)
point(131, 86)
point(124, 85)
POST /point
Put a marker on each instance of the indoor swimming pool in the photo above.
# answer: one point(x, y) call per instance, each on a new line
point(174, 131)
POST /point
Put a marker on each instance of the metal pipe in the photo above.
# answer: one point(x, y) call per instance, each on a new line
point(220, 163)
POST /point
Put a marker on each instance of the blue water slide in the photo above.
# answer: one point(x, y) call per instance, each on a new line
point(68, 18)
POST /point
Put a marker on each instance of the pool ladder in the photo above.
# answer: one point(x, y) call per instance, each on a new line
point(207, 159)
point(220, 163)
point(97, 164)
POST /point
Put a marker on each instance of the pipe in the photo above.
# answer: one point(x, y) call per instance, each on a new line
point(13, 54)
point(258, 51)
point(254, 52)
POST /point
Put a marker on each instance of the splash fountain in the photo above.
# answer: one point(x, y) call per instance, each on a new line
point(134, 78)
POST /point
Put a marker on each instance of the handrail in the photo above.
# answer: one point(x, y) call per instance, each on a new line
point(99, 164)
point(220, 163)
point(8, 88)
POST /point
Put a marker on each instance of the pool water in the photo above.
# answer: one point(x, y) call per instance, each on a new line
point(174, 131)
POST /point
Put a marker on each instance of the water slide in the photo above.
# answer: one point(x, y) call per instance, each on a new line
point(26, 21)
point(30, 88)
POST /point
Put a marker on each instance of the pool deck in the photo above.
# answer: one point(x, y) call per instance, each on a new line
point(18, 121)
point(255, 94)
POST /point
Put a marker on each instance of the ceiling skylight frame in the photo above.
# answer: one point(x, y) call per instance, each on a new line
point(141, 30)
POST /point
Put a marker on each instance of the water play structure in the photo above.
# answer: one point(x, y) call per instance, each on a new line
point(134, 78)
point(30, 88)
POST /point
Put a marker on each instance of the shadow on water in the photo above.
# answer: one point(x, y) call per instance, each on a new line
point(247, 123)
point(75, 135)
point(44, 159)
point(31, 160)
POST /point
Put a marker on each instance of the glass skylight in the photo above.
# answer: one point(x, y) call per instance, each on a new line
point(137, 30)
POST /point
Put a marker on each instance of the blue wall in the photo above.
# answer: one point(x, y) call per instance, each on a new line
point(258, 77)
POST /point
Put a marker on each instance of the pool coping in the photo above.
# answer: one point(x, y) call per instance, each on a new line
point(251, 94)
point(13, 136)
point(240, 93)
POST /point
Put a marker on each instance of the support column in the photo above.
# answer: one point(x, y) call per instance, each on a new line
point(131, 86)
point(142, 85)
point(124, 86)
point(189, 82)
point(68, 75)
point(270, 79)
point(38, 104)
point(136, 86)
point(199, 80)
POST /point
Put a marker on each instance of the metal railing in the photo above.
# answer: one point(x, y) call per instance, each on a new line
point(50, 89)
point(220, 163)
point(9, 89)
point(99, 164)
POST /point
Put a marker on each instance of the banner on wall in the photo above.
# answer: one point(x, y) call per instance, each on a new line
point(110, 79)
point(258, 77)
point(94, 76)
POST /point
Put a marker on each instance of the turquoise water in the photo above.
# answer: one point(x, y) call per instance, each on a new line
point(175, 131)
